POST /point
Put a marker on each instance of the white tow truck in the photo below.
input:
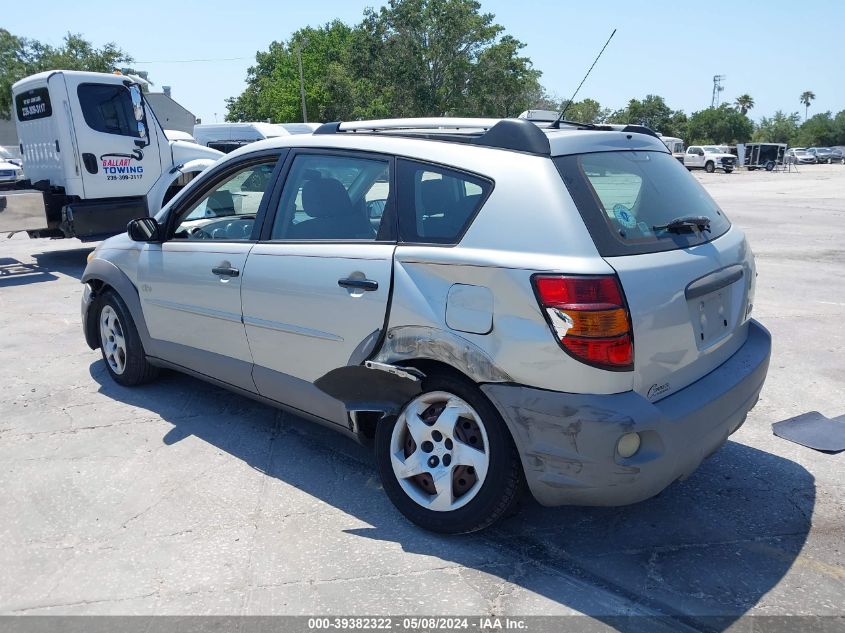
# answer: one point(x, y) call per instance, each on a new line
point(95, 154)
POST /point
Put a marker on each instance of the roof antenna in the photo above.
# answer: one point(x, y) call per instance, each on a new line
point(556, 124)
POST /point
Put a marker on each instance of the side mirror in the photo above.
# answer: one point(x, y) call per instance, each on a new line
point(144, 230)
point(137, 102)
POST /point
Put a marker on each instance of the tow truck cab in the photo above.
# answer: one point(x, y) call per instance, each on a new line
point(93, 148)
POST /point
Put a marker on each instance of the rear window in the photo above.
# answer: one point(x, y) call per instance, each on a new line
point(33, 104)
point(624, 197)
point(437, 204)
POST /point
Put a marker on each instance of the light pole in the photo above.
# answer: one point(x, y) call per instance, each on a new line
point(301, 80)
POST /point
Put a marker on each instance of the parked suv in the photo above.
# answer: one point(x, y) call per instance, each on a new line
point(709, 158)
point(487, 303)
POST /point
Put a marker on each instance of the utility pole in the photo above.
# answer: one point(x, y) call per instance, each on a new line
point(301, 80)
point(717, 89)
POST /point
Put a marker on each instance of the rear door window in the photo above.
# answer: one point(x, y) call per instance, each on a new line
point(334, 197)
point(625, 198)
point(437, 204)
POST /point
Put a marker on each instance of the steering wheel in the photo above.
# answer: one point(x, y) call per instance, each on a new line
point(199, 234)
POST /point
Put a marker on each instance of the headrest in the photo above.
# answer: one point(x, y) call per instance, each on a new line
point(325, 198)
point(437, 197)
point(221, 202)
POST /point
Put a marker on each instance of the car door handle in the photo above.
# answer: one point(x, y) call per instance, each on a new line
point(361, 284)
point(225, 271)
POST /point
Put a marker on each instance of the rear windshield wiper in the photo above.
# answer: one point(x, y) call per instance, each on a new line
point(685, 224)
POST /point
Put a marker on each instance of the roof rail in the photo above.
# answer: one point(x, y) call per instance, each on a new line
point(517, 135)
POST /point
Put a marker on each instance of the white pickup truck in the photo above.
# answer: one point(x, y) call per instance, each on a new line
point(709, 158)
point(94, 151)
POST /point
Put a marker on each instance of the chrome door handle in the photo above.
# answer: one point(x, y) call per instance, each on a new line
point(225, 271)
point(361, 284)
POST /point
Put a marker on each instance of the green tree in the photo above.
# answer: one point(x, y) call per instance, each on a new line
point(744, 103)
point(807, 98)
point(839, 128)
point(780, 128)
point(501, 83)
point(722, 125)
point(819, 130)
point(652, 112)
point(410, 58)
point(272, 90)
point(21, 57)
point(587, 111)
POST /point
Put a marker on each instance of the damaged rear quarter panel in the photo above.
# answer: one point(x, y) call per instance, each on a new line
point(518, 349)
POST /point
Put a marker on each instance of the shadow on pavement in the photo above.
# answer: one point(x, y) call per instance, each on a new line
point(699, 555)
point(14, 272)
point(69, 262)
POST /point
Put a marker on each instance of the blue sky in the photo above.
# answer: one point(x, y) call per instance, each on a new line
point(668, 48)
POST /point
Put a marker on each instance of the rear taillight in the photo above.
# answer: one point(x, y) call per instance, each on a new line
point(588, 318)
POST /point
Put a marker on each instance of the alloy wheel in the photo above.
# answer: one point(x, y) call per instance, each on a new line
point(112, 340)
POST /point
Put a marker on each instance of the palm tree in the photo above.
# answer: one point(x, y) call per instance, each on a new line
point(806, 98)
point(744, 103)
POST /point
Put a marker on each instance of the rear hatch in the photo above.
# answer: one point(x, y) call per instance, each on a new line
point(688, 276)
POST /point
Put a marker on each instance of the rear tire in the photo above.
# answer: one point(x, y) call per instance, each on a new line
point(770, 165)
point(120, 344)
point(709, 167)
point(423, 455)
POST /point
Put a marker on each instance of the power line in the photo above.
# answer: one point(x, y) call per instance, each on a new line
point(193, 61)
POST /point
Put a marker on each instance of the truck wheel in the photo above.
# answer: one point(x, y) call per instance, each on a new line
point(120, 344)
point(709, 167)
point(448, 462)
point(770, 165)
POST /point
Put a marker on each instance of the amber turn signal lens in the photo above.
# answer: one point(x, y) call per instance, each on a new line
point(596, 323)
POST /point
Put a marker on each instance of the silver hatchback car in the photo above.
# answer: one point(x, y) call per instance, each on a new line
point(488, 303)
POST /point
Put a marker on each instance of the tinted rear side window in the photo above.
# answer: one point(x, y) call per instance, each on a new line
point(108, 108)
point(625, 196)
point(436, 204)
point(33, 104)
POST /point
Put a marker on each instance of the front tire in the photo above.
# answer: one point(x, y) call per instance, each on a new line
point(709, 167)
point(120, 344)
point(448, 462)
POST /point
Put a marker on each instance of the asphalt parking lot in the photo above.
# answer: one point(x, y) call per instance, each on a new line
point(181, 498)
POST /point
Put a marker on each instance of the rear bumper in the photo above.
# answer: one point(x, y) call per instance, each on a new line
point(567, 442)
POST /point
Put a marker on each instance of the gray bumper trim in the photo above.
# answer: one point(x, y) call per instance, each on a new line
point(567, 442)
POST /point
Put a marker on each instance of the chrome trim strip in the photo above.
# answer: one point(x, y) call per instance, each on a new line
point(206, 312)
point(292, 329)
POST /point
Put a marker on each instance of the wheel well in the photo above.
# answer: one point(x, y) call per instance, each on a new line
point(366, 421)
point(98, 286)
point(435, 367)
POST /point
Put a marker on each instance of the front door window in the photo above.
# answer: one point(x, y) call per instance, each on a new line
point(228, 211)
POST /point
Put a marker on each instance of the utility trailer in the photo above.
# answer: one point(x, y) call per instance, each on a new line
point(764, 155)
point(96, 155)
